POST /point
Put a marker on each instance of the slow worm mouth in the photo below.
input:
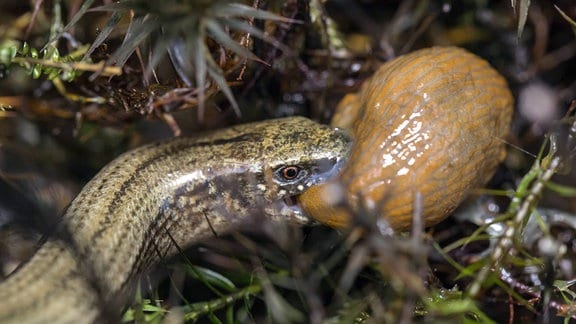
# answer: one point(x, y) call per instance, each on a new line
point(296, 214)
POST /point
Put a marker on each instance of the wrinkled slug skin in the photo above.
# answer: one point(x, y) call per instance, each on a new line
point(434, 122)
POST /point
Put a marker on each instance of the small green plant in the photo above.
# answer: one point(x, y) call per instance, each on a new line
point(48, 62)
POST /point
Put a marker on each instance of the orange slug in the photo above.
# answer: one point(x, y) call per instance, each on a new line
point(431, 122)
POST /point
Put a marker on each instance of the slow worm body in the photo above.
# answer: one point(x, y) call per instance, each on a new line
point(151, 200)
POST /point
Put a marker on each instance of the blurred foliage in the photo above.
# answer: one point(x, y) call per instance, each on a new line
point(76, 67)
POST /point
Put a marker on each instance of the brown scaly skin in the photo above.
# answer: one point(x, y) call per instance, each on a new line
point(434, 122)
point(178, 192)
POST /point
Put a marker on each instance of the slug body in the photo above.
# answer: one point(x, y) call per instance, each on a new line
point(149, 201)
point(433, 123)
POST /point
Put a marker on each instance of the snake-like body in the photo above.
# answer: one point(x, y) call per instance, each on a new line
point(148, 202)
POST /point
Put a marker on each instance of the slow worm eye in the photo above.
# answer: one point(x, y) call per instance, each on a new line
point(290, 172)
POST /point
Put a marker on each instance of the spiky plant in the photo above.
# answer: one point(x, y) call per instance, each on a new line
point(182, 29)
